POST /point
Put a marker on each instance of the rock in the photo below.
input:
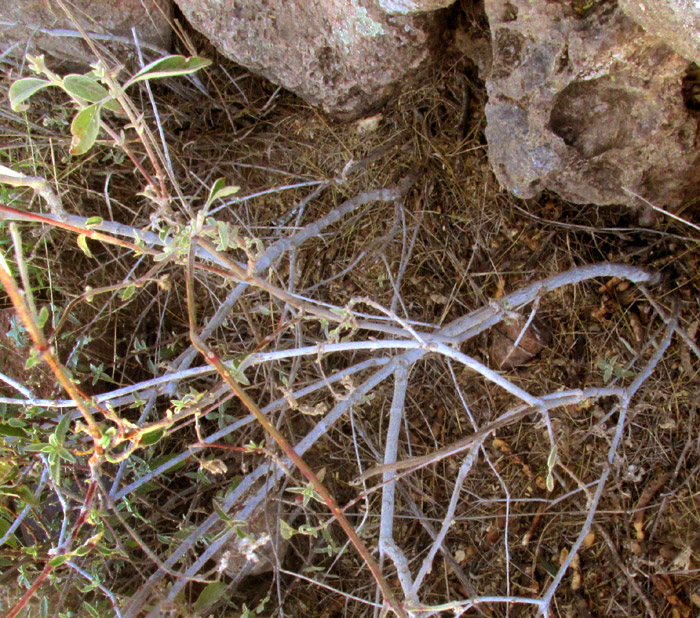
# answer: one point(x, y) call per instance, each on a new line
point(41, 27)
point(346, 57)
point(586, 104)
point(676, 22)
point(404, 7)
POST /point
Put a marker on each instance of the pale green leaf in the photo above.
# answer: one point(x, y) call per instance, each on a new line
point(32, 360)
point(43, 317)
point(82, 243)
point(87, 88)
point(22, 89)
point(59, 560)
point(168, 67)
point(224, 236)
point(210, 595)
point(84, 129)
point(286, 531)
point(128, 292)
point(220, 190)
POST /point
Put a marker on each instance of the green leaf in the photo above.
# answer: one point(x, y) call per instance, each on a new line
point(128, 292)
point(94, 222)
point(220, 190)
point(59, 560)
point(62, 427)
point(169, 67)
point(224, 236)
point(286, 531)
point(22, 89)
point(19, 491)
point(14, 432)
point(210, 595)
point(33, 359)
point(82, 243)
point(152, 437)
point(157, 462)
point(84, 129)
point(87, 88)
point(43, 316)
point(223, 516)
point(4, 527)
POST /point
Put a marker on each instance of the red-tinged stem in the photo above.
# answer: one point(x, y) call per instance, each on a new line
point(19, 606)
point(43, 349)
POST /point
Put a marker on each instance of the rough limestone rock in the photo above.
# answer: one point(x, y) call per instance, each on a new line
point(586, 104)
point(343, 55)
point(41, 27)
point(676, 22)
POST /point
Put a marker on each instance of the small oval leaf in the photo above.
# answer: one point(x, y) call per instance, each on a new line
point(22, 89)
point(85, 88)
point(84, 129)
point(59, 560)
point(94, 222)
point(128, 292)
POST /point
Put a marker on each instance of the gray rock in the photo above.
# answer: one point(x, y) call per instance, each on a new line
point(587, 105)
point(41, 27)
point(676, 22)
point(345, 56)
point(404, 7)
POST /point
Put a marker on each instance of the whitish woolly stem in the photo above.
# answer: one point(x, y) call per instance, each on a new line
point(478, 321)
point(154, 107)
point(387, 545)
point(17, 386)
point(251, 196)
point(506, 527)
point(459, 607)
point(682, 332)
point(235, 426)
point(74, 34)
point(38, 185)
point(424, 521)
point(612, 452)
point(447, 521)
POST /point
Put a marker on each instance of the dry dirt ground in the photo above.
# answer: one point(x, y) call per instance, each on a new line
point(454, 242)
